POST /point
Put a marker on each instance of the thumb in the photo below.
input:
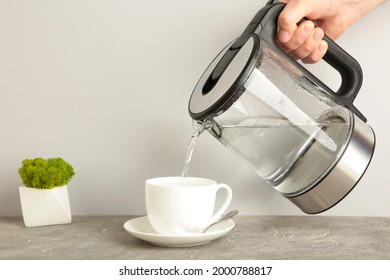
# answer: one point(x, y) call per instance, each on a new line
point(290, 16)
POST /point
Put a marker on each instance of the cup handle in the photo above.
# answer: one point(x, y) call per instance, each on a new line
point(225, 204)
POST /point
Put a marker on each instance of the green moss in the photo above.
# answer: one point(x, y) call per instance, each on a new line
point(45, 174)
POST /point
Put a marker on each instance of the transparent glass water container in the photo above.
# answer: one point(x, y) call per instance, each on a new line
point(309, 142)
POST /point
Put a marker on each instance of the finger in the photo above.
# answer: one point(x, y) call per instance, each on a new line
point(333, 29)
point(309, 45)
point(290, 16)
point(317, 54)
point(300, 36)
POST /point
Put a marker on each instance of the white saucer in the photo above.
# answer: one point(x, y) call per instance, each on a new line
point(141, 228)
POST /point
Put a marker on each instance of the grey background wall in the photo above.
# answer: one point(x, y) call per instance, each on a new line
point(105, 85)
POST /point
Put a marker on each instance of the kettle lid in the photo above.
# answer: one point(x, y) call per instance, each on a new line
point(221, 83)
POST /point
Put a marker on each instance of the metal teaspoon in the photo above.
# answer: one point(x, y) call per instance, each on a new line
point(222, 218)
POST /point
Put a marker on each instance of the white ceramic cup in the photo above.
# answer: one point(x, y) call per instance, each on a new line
point(176, 209)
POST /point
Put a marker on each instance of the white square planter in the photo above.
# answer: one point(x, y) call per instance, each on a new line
point(42, 207)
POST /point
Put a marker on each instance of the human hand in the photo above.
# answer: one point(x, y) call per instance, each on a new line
point(305, 40)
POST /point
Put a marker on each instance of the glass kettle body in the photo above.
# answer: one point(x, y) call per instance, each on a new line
point(309, 142)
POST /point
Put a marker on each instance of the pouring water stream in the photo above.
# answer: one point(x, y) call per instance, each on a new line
point(198, 129)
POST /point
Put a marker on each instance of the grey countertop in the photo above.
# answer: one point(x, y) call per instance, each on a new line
point(253, 237)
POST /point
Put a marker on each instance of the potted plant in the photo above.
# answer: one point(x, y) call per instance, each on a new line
point(44, 196)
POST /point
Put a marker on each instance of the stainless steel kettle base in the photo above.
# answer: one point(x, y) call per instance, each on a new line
point(344, 176)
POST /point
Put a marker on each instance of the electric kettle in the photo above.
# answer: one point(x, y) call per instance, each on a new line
point(308, 141)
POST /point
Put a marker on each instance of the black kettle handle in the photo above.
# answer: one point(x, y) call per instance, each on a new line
point(349, 69)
